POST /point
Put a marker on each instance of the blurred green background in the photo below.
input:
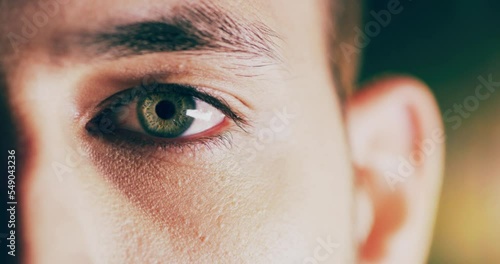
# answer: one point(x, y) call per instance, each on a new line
point(449, 44)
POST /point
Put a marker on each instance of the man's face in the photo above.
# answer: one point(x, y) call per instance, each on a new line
point(255, 171)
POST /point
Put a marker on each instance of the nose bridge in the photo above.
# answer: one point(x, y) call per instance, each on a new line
point(37, 135)
point(37, 128)
point(9, 213)
point(48, 138)
point(28, 130)
point(40, 113)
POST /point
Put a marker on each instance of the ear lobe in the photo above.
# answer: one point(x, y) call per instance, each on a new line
point(396, 137)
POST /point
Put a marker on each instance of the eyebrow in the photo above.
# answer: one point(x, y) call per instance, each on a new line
point(199, 27)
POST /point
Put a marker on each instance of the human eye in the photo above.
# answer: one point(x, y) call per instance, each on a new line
point(164, 115)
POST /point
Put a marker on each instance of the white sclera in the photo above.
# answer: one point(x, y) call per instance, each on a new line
point(205, 117)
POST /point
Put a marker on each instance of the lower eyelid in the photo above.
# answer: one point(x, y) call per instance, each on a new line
point(140, 146)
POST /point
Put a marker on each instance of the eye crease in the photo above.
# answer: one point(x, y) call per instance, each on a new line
point(165, 112)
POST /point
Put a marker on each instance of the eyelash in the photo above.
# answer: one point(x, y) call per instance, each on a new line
point(109, 107)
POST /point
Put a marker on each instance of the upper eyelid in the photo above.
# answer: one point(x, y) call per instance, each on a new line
point(108, 79)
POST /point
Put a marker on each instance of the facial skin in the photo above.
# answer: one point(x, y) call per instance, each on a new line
point(276, 182)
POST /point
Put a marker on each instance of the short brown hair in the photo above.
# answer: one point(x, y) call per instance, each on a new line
point(344, 16)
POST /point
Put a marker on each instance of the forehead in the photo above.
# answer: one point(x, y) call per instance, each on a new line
point(49, 24)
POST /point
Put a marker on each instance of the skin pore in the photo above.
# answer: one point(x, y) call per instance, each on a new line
point(272, 183)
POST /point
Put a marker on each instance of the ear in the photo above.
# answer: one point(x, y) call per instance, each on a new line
point(397, 139)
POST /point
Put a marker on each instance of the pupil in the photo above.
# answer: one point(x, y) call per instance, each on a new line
point(165, 110)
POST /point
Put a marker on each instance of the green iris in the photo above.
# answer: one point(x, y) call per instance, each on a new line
point(163, 114)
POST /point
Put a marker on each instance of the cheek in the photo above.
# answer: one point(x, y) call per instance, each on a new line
point(218, 203)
